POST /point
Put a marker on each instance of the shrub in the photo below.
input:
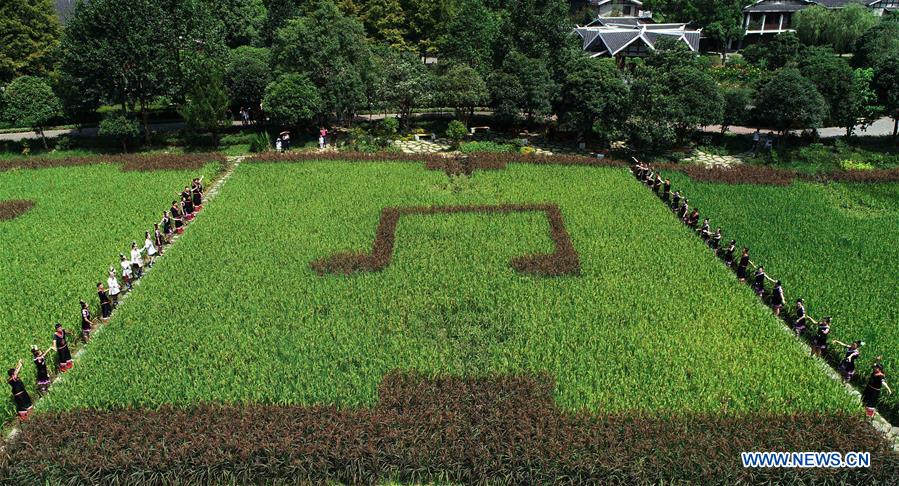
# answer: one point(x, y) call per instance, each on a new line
point(456, 132)
point(118, 126)
point(261, 142)
point(492, 147)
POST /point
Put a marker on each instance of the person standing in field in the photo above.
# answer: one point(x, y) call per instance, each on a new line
point(876, 382)
point(61, 345)
point(742, 267)
point(175, 211)
point(87, 324)
point(729, 253)
point(715, 241)
point(760, 277)
point(847, 364)
point(799, 323)
point(196, 193)
point(40, 366)
point(105, 302)
point(323, 136)
point(675, 201)
point(666, 191)
point(705, 232)
point(114, 289)
point(149, 249)
point(819, 343)
point(137, 261)
point(777, 298)
point(166, 225)
point(158, 238)
point(187, 204)
point(19, 394)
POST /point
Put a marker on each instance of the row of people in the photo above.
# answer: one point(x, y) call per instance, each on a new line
point(183, 209)
point(679, 204)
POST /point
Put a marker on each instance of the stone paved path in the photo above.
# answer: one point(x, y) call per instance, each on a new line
point(421, 147)
point(709, 160)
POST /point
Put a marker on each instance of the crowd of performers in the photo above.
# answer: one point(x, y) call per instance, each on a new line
point(748, 271)
point(183, 209)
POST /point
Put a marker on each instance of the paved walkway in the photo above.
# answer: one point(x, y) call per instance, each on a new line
point(881, 127)
point(421, 146)
point(716, 161)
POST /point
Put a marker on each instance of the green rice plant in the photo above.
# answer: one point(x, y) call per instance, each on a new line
point(55, 253)
point(834, 245)
point(235, 313)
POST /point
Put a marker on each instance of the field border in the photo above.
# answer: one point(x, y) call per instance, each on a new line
point(563, 261)
point(127, 162)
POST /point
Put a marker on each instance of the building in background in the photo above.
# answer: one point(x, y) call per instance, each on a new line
point(622, 37)
point(771, 17)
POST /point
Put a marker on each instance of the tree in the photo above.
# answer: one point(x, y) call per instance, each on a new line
point(247, 73)
point(292, 100)
point(594, 98)
point(462, 88)
point(29, 35)
point(736, 107)
point(205, 107)
point(886, 85)
point(722, 21)
point(523, 85)
point(878, 42)
point(846, 92)
point(786, 99)
point(847, 26)
point(385, 21)
point(535, 28)
point(244, 20)
point(783, 50)
point(29, 101)
point(469, 35)
point(811, 24)
point(407, 83)
point(330, 49)
point(119, 126)
point(134, 52)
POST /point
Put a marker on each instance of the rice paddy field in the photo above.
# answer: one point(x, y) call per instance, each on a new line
point(55, 249)
point(834, 245)
point(358, 322)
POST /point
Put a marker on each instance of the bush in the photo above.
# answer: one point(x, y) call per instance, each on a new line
point(389, 126)
point(848, 164)
point(118, 126)
point(491, 147)
point(260, 142)
point(456, 131)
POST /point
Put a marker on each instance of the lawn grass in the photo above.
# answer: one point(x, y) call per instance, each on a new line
point(832, 244)
point(55, 253)
point(235, 314)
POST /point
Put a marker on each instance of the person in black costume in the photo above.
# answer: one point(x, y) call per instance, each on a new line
point(19, 394)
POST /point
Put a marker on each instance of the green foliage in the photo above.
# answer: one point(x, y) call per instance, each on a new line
point(289, 336)
point(456, 131)
point(119, 126)
point(292, 100)
point(594, 98)
point(261, 142)
point(206, 104)
point(786, 99)
point(785, 49)
point(30, 102)
point(878, 43)
point(840, 224)
point(522, 85)
point(247, 73)
point(330, 49)
point(847, 25)
point(29, 35)
point(487, 147)
point(390, 126)
point(56, 253)
point(847, 93)
point(736, 107)
point(243, 20)
point(385, 21)
point(407, 83)
point(469, 34)
point(130, 53)
point(462, 88)
point(886, 85)
point(811, 24)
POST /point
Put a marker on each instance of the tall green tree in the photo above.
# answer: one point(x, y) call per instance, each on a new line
point(886, 85)
point(385, 21)
point(721, 21)
point(846, 92)
point(247, 73)
point(330, 48)
point(29, 35)
point(462, 88)
point(292, 101)
point(786, 99)
point(407, 84)
point(523, 85)
point(29, 101)
point(134, 52)
point(535, 28)
point(594, 98)
point(847, 25)
point(205, 107)
point(811, 25)
point(469, 35)
point(244, 20)
point(878, 42)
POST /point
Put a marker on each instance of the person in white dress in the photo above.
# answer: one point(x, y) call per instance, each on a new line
point(137, 260)
point(149, 249)
point(112, 283)
point(126, 270)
